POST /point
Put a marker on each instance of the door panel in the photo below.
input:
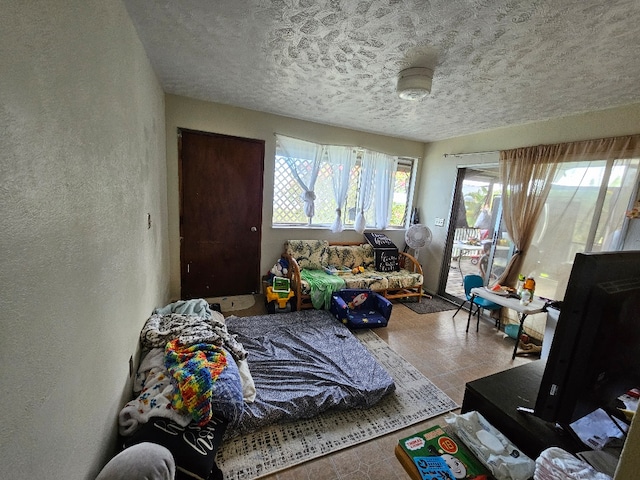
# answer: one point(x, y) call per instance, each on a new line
point(476, 242)
point(220, 214)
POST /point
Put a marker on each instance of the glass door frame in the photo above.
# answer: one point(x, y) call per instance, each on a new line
point(448, 248)
point(448, 288)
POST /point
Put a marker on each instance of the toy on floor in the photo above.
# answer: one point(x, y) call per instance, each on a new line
point(278, 296)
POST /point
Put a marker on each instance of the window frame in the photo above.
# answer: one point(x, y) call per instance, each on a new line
point(405, 165)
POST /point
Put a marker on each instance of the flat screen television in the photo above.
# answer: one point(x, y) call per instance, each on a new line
point(595, 352)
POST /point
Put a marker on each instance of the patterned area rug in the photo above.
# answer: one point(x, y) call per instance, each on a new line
point(278, 447)
point(429, 305)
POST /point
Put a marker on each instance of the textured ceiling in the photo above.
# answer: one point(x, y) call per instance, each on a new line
point(496, 63)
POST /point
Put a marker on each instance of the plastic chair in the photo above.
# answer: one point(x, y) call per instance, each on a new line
point(474, 281)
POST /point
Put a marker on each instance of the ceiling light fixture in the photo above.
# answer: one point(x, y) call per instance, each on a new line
point(414, 83)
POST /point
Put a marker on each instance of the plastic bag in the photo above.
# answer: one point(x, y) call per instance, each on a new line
point(557, 463)
point(492, 448)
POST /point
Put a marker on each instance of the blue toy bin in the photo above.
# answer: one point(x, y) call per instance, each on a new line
point(360, 308)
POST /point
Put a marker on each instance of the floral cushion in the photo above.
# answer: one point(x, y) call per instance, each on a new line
point(305, 288)
point(311, 254)
point(351, 256)
point(403, 279)
point(369, 279)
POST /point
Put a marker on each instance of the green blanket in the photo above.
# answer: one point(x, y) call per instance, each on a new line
point(322, 287)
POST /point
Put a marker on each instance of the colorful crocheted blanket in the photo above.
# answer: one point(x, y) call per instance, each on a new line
point(195, 368)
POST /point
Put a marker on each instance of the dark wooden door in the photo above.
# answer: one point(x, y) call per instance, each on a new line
point(220, 214)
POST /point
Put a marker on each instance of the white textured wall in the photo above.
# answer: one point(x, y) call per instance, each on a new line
point(82, 162)
point(211, 117)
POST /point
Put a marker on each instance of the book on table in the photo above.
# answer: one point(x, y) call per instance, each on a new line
point(438, 455)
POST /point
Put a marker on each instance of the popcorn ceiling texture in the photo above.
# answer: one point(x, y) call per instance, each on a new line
point(497, 63)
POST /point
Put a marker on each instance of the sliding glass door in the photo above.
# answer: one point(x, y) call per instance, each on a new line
point(584, 211)
point(477, 241)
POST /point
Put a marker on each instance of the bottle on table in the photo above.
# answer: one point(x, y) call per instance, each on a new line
point(520, 284)
point(530, 284)
point(528, 289)
point(525, 297)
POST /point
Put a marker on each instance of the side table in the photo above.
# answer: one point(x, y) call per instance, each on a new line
point(537, 305)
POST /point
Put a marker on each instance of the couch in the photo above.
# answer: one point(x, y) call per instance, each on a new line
point(317, 255)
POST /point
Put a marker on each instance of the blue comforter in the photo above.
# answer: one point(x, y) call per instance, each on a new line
point(304, 363)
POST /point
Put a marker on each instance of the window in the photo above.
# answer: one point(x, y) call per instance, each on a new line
point(401, 189)
point(299, 166)
point(585, 211)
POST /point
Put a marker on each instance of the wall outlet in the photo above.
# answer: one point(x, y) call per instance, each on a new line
point(439, 222)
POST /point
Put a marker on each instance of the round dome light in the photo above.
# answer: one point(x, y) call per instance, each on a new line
point(414, 83)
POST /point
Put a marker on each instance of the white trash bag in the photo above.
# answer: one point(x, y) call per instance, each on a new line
point(493, 449)
point(555, 463)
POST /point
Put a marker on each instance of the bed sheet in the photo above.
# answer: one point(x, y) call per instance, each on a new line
point(304, 363)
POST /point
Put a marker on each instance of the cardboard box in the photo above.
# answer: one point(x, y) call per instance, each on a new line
point(435, 454)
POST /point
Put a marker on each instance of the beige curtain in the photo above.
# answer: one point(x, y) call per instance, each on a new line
point(527, 175)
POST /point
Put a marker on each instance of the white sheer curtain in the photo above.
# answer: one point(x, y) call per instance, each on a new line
point(292, 149)
point(365, 192)
point(584, 210)
point(341, 160)
point(622, 184)
point(386, 167)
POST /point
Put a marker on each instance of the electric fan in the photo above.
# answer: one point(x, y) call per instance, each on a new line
point(417, 237)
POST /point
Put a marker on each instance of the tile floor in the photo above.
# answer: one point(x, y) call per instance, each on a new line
point(438, 346)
